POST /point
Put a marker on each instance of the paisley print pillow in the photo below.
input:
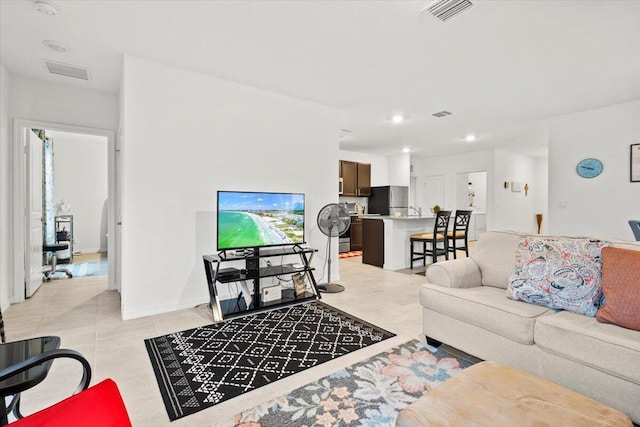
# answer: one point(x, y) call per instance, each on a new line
point(559, 273)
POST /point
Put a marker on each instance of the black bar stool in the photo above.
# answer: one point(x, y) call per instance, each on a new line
point(460, 232)
point(430, 240)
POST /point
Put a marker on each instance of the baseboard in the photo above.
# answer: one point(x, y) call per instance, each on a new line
point(88, 251)
point(159, 309)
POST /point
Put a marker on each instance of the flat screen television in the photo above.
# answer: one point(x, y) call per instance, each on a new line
point(254, 220)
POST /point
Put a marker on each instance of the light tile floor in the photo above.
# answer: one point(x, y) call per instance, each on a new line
point(87, 318)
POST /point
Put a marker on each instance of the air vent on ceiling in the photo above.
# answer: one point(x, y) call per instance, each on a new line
point(344, 132)
point(442, 113)
point(66, 70)
point(447, 9)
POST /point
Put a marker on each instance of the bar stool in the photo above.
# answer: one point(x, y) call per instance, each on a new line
point(48, 275)
point(460, 232)
point(439, 235)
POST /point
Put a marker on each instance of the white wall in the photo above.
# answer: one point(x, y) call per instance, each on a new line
point(601, 206)
point(400, 169)
point(450, 166)
point(80, 179)
point(514, 211)
point(188, 135)
point(540, 192)
point(505, 210)
point(53, 102)
point(6, 289)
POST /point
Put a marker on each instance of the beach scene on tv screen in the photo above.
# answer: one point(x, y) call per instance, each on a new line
point(259, 219)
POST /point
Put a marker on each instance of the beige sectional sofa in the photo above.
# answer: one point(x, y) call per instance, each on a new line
point(465, 306)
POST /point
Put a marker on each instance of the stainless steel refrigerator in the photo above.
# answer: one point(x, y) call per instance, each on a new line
point(389, 200)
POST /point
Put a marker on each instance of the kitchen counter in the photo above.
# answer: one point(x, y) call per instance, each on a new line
point(406, 217)
point(397, 251)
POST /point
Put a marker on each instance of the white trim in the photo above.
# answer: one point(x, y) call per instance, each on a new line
point(165, 308)
point(77, 250)
point(18, 214)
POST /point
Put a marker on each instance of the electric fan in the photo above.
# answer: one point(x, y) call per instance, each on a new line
point(333, 221)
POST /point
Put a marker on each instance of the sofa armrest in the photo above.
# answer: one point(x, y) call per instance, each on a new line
point(455, 273)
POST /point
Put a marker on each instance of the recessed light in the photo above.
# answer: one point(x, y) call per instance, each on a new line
point(55, 46)
point(45, 7)
point(398, 118)
point(470, 138)
point(406, 150)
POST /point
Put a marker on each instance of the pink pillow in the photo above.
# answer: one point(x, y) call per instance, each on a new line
point(621, 288)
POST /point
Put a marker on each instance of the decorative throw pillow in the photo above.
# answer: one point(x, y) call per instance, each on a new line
point(559, 273)
point(621, 288)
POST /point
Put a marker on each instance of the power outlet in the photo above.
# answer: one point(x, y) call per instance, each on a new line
point(562, 204)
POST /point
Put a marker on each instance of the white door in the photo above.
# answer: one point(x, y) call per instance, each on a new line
point(33, 261)
point(435, 191)
point(117, 259)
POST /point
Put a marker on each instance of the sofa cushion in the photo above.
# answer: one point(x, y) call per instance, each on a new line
point(495, 254)
point(621, 288)
point(583, 339)
point(485, 307)
point(559, 273)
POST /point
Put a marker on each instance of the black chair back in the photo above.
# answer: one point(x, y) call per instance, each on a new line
point(462, 221)
point(441, 224)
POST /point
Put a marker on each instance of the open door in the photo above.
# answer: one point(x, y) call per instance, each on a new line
point(34, 220)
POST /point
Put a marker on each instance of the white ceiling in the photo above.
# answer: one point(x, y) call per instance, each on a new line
point(502, 67)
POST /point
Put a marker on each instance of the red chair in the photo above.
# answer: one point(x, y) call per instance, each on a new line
point(97, 406)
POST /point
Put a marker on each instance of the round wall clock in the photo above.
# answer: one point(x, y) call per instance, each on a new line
point(589, 168)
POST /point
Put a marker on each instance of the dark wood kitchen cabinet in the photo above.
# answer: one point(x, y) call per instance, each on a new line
point(348, 178)
point(364, 179)
point(373, 242)
point(356, 233)
point(355, 179)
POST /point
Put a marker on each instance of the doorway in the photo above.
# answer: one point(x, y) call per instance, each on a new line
point(76, 209)
point(471, 194)
point(471, 191)
point(84, 175)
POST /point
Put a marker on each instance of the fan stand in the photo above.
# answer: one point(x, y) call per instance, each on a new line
point(330, 288)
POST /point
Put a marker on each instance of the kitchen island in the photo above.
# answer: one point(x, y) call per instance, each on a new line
point(386, 239)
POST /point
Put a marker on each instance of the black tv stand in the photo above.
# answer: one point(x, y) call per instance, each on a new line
point(236, 306)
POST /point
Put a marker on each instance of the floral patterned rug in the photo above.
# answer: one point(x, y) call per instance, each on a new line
point(369, 393)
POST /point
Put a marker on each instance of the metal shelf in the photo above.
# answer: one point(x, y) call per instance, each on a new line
point(225, 309)
point(64, 234)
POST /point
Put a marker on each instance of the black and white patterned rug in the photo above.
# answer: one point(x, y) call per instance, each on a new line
point(201, 367)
